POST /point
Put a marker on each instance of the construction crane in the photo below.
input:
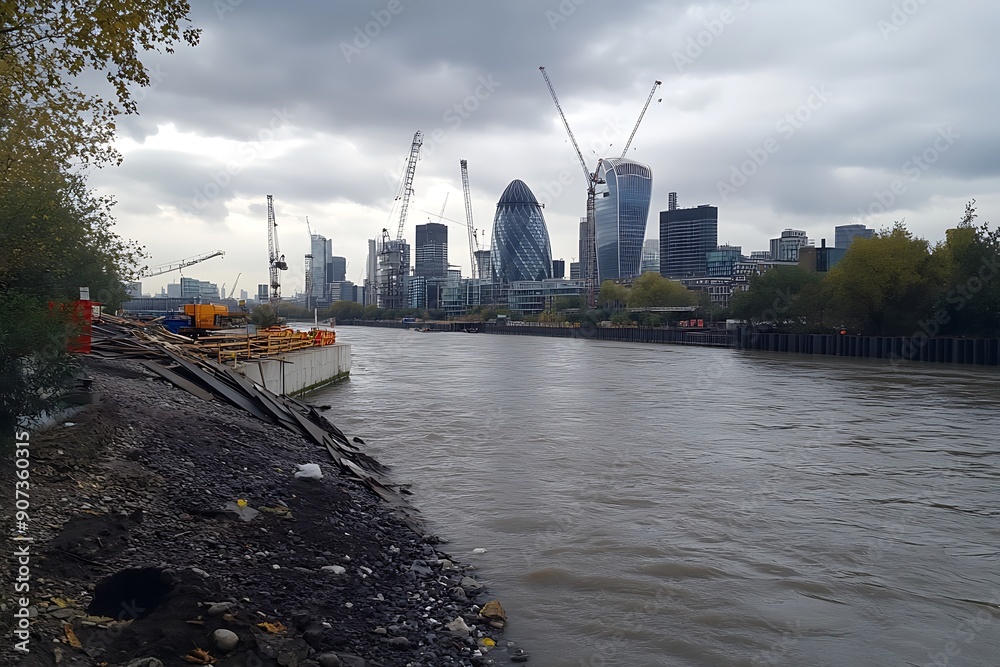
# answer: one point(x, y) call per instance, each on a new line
point(235, 283)
point(309, 264)
point(177, 266)
point(588, 262)
point(392, 253)
point(642, 113)
point(276, 261)
point(411, 170)
point(473, 240)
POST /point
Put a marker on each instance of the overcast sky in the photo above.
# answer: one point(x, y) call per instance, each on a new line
point(783, 113)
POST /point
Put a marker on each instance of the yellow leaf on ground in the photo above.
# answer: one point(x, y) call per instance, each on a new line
point(273, 628)
point(199, 657)
point(71, 636)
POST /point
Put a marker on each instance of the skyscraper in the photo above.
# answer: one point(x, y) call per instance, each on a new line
point(621, 208)
point(521, 248)
point(336, 270)
point(322, 249)
point(686, 237)
point(844, 235)
point(431, 251)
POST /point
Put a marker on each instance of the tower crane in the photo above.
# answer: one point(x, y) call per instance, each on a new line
point(389, 286)
point(411, 170)
point(473, 239)
point(588, 262)
point(276, 261)
point(642, 113)
point(177, 266)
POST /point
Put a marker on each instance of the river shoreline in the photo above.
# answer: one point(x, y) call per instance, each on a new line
point(147, 486)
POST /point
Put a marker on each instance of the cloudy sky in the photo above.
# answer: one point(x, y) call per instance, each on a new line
point(783, 113)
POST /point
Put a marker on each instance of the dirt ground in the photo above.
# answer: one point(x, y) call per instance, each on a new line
point(160, 518)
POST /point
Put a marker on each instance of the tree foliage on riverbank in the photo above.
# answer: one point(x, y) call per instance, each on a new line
point(893, 284)
point(57, 234)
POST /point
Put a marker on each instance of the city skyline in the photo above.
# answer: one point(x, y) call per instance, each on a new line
point(830, 124)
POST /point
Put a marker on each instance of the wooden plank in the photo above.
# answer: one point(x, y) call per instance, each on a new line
point(177, 380)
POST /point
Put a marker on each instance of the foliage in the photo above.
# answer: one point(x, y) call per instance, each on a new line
point(884, 284)
point(969, 260)
point(264, 316)
point(57, 238)
point(774, 296)
point(652, 290)
point(612, 295)
point(34, 364)
point(45, 47)
point(568, 303)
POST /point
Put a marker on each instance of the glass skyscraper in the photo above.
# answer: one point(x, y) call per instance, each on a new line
point(521, 248)
point(621, 208)
point(687, 235)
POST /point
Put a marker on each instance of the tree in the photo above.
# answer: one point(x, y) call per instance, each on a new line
point(34, 363)
point(264, 316)
point(612, 295)
point(773, 296)
point(46, 46)
point(653, 290)
point(884, 285)
point(969, 260)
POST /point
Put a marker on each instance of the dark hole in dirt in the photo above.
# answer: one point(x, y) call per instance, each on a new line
point(129, 594)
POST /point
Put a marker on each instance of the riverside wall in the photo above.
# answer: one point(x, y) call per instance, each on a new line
point(895, 349)
point(298, 372)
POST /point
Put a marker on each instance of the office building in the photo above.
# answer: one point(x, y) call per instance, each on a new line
point(844, 235)
point(785, 248)
point(558, 268)
point(721, 262)
point(521, 248)
point(621, 208)
point(431, 251)
point(337, 270)
point(686, 237)
point(651, 256)
point(821, 259)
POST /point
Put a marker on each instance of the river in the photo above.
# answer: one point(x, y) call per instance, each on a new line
point(665, 505)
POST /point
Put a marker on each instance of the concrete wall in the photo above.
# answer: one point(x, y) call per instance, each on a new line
point(298, 372)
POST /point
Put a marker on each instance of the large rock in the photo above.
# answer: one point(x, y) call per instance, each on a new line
point(225, 640)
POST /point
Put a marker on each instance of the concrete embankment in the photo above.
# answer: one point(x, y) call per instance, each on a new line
point(895, 349)
point(296, 373)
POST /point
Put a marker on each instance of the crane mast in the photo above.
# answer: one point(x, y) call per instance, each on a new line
point(641, 114)
point(588, 259)
point(411, 169)
point(473, 241)
point(276, 261)
point(177, 266)
point(393, 254)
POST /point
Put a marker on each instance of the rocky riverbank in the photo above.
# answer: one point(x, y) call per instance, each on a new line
point(171, 530)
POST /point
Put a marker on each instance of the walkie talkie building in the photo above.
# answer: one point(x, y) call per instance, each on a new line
point(621, 207)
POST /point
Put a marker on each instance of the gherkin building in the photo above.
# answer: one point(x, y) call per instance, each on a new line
point(521, 248)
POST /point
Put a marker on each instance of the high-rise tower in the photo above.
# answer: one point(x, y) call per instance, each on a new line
point(621, 208)
point(521, 248)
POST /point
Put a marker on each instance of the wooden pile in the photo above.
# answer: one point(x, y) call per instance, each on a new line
point(178, 360)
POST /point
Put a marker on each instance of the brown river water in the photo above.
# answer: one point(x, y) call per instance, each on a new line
point(664, 505)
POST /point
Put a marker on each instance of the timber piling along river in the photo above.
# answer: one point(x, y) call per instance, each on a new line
point(170, 523)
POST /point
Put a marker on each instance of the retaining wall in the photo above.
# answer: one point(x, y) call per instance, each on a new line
point(296, 373)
